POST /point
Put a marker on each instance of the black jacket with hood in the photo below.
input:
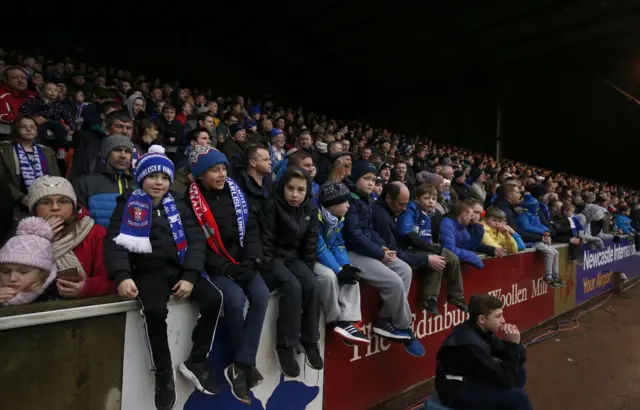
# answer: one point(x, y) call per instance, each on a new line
point(289, 233)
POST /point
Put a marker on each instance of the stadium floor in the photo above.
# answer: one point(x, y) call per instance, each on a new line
point(596, 366)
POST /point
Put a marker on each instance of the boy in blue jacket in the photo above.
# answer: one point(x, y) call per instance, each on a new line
point(623, 221)
point(378, 264)
point(461, 233)
point(338, 278)
point(529, 221)
point(414, 229)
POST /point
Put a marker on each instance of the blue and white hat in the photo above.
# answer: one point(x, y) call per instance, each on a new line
point(154, 161)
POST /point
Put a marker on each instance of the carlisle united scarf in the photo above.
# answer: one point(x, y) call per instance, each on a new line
point(136, 224)
point(207, 220)
point(31, 171)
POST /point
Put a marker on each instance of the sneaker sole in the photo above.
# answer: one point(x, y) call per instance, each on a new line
point(346, 335)
point(384, 333)
point(188, 374)
point(412, 354)
point(280, 367)
point(226, 371)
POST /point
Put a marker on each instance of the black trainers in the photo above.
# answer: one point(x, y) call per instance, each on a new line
point(165, 397)
point(314, 360)
point(351, 332)
point(254, 378)
point(198, 374)
point(431, 306)
point(238, 381)
point(460, 304)
point(559, 281)
point(550, 281)
point(287, 361)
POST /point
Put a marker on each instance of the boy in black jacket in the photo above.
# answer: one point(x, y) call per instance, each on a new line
point(289, 223)
point(478, 371)
point(234, 255)
point(154, 249)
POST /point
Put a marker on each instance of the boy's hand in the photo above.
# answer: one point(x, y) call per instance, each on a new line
point(511, 333)
point(437, 262)
point(128, 289)
point(182, 289)
point(501, 252)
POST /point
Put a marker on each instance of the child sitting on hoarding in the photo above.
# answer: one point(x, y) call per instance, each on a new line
point(27, 270)
point(496, 231)
point(623, 221)
point(154, 249)
point(415, 226)
point(338, 278)
point(529, 221)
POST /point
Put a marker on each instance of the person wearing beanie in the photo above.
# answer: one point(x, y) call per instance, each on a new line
point(22, 161)
point(276, 146)
point(253, 136)
point(233, 258)
point(154, 249)
point(113, 177)
point(237, 144)
point(77, 240)
point(27, 270)
point(338, 279)
point(529, 222)
point(477, 190)
point(459, 185)
point(378, 264)
point(384, 171)
point(289, 225)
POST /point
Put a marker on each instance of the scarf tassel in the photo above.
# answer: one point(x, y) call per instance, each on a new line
point(133, 244)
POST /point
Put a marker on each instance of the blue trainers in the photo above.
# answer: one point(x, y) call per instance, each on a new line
point(413, 346)
point(384, 328)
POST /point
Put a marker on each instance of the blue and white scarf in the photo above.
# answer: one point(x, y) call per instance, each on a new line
point(136, 224)
point(241, 207)
point(31, 171)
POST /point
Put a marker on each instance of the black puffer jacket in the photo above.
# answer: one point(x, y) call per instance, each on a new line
point(163, 260)
point(221, 205)
point(289, 233)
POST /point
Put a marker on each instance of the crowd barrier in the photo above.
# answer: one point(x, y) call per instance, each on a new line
point(82, 355)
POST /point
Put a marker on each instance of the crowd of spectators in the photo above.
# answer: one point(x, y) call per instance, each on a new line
point(126, 184)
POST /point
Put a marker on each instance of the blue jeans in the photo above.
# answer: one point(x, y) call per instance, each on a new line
point(480, 396)
point(244, 332)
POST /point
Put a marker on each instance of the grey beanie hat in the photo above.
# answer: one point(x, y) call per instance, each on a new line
point(46, 186)
point(333, 193)
point(114, 141)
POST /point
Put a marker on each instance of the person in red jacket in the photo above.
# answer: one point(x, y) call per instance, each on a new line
point(77, 240)
point(13, 93)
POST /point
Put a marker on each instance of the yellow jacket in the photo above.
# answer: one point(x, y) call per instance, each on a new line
point(497, 239)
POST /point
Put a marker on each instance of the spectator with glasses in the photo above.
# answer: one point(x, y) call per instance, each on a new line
point(77, 243)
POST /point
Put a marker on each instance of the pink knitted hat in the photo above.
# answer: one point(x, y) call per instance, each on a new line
point(31, 246)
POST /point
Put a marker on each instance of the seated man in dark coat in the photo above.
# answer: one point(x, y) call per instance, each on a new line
point(478, 371)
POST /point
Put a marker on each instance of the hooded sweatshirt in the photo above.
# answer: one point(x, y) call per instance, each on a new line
point(129, 103)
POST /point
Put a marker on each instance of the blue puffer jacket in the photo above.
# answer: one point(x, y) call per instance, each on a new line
point(414, 220)
point(98, 192)
point(359, 235)
point(463, 241)
point(529, 220)
point(331, 250)
point(623, 222)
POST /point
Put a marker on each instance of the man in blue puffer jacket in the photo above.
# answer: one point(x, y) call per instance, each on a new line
point(462, 235)
point(98, 191)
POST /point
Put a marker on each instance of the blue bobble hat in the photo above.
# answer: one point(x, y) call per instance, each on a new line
point(154, 161)
point(203, 158)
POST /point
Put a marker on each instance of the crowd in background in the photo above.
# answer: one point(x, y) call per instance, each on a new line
point(128, 185)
